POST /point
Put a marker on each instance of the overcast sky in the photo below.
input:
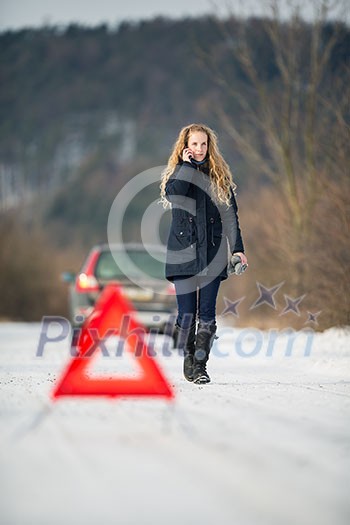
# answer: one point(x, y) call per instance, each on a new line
point(23, 13)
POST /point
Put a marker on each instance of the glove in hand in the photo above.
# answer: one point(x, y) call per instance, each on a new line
point(235, 266)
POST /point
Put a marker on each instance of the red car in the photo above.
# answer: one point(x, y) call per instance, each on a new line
point(143, 283)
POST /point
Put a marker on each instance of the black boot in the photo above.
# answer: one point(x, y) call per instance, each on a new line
point(184, 339)
point(204, 341)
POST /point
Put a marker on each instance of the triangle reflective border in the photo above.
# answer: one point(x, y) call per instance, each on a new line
point(107, 318)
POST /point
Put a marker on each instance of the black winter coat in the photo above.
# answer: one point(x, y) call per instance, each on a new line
point(202, 232)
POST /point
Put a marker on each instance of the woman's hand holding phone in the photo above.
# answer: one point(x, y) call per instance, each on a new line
point(187, 154)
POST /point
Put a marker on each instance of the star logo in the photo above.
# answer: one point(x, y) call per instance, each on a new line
point(292, 305)
point(312, 318)
point(231, 306)
point(266, 295)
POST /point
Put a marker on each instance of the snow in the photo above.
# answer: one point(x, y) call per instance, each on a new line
point(267, 442)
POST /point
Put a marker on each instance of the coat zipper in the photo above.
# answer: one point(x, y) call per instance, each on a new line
point(212, 231)
point(191, 221)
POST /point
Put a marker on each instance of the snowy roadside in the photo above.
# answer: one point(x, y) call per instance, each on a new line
point(267, 442)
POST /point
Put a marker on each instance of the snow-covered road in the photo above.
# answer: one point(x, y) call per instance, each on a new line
point(267, 442)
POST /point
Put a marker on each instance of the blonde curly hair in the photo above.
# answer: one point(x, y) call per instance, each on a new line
point(221, 180)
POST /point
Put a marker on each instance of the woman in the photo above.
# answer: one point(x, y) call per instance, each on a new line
point(198, 185)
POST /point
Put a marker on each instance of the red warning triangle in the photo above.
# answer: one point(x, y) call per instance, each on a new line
point(107, 317)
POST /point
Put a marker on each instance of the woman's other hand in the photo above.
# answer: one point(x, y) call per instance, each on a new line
point(242, 256)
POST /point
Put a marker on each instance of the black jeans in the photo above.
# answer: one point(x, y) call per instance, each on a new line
point(189, 300)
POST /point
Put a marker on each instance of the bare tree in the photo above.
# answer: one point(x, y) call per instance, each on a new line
point(294, 129)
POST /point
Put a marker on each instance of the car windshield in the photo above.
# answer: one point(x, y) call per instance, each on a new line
point(109, 266)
